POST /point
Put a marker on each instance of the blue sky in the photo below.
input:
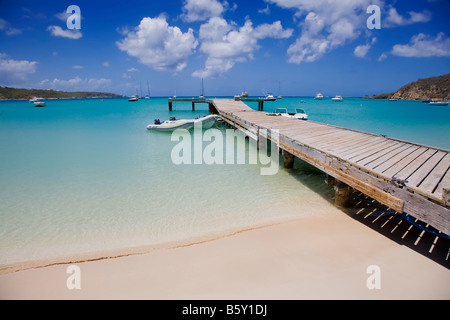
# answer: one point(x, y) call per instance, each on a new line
point(300, 47)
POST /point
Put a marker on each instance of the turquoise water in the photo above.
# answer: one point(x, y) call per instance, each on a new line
point(85, 176)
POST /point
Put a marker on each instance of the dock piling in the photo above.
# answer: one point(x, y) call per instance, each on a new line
point(288, 159)
point(342, 194)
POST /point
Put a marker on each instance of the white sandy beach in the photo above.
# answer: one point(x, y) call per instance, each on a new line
point(317, 257)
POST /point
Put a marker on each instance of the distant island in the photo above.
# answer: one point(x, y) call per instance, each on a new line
point(422, 89)
point(25, 94)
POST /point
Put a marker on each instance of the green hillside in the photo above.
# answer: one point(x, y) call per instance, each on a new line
point(16, 94)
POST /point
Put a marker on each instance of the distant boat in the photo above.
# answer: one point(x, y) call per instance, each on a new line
point(393, 99)
point(35, 99)
point(337, 99)
point(279, 91)
point(438, 103)
point(202, 95)
point(270, 97)
point(318, 96)
point(134, 98)
point(38, 102)
point(173, 124)
point(148, 92)
point(244, 94)
point(298, 114)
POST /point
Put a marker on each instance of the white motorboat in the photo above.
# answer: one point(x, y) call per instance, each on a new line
point(38, 102)
point(132, 99)
point(298, 114)
point(270, 97)
point(35, 99)
point(173, 124)
point(318, 96)
point(337, 99)
point(438, 103)
point(207, 122)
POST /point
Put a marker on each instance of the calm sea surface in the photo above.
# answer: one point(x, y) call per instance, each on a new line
point(85, 176)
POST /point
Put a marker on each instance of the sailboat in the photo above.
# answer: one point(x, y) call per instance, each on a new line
point(148, 92)
point(279, 91)
point(202, 95)
point(134, 98)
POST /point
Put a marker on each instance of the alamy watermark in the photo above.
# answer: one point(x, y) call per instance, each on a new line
point(374, 21)
point(374, 280)
point(74, 280)
point(74, 20)
point(226, 147)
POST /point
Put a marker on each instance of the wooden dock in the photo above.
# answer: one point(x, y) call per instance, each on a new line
point(406, 177)
point(209, 101)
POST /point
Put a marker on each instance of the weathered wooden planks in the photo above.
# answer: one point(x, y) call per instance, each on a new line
point(404, 176)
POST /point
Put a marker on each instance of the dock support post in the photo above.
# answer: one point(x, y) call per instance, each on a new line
point(342, 194)
point(329, 180)
point(212, 109)
point(260, 105)
point(170, 105)
point(288, 159)
point(193, 106)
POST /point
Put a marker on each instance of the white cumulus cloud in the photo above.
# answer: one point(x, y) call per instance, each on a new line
point(325, 25)
point(158, 45)
point(395, 19)
point(5, 27)
point(15, 71)
point(77, 84)
point(225, 44)
point(202, 10)
point(423, 46)
point(362, 50)
point(57, 31)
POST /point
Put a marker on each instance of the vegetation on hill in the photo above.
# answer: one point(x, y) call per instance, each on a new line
point(16, 94)
point(422, 89)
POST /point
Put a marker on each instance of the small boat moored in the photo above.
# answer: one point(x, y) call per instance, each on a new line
point(173, 124)
point(337, 99)
point(298, 114)
point(318, 96)
point(39, 103)
point(438, 103)
point(270, 97)
point(35, 99)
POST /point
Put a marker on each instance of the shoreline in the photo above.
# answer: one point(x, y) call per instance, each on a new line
point(311, 257)
point(133, 251)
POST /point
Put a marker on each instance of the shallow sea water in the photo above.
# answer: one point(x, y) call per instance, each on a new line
point(85, 176)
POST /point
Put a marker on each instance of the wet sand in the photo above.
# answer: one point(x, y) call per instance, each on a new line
point(316, 257)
